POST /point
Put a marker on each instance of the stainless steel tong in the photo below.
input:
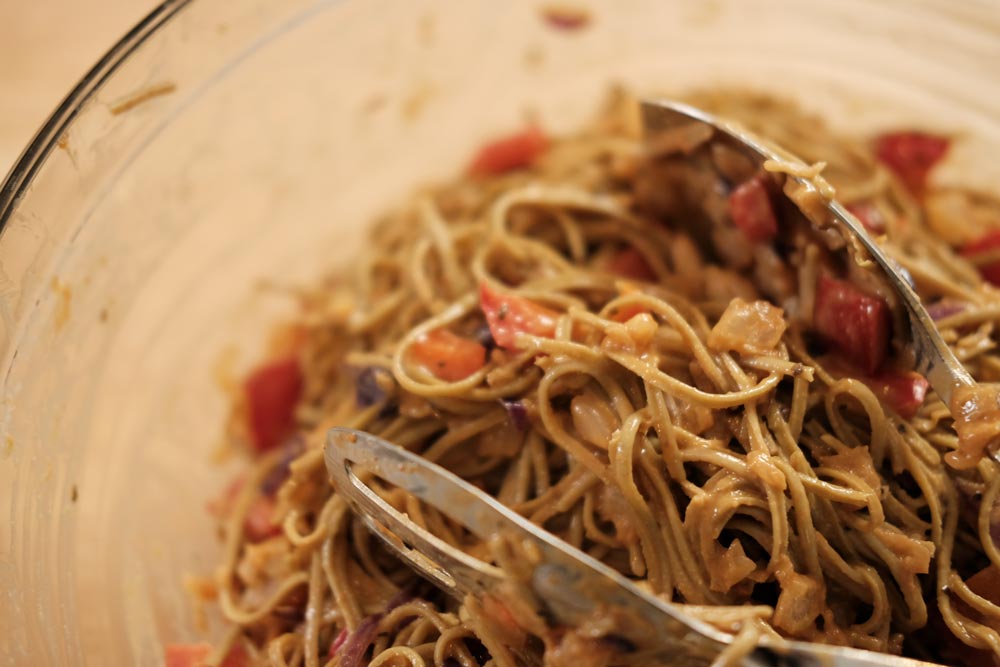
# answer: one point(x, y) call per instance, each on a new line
point(571, 585)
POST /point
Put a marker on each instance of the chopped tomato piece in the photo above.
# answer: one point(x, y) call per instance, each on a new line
point(751, 210)
point(855, 323)
point(272, 392)
point(509, 153)
point(911, 155)
point(869, 215)
point(988, 242)
point(629, 263)
point(448, 356)
point(904, 392)
point(509, 314)
point(194, 655)
point(260, 521)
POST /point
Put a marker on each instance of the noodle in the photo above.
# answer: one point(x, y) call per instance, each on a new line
point(638, 397)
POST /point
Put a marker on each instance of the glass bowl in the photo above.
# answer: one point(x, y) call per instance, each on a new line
point(221, 144)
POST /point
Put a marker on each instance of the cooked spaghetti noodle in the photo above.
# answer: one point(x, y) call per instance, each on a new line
point(560, 334)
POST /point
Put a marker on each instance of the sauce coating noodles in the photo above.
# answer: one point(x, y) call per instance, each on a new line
point(717, 425)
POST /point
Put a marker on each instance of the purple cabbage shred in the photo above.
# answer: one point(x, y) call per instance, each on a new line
point(338, 642)
point(478, 650)
point(291, 449)
point(618, 643)
point(368, 388)
point(944, 308)
point(354, 648)
point(484, 336)
point(518, 414)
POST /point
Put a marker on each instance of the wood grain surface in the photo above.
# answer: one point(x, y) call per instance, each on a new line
point(45, 47)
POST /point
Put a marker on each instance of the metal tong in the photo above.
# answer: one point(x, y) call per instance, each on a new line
point(572, 586)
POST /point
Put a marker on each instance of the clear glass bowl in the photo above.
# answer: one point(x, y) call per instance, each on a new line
point(220, 144)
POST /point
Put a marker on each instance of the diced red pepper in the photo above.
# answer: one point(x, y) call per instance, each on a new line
point(272, 391)
point(911, 155)
point(629, 263)
point(985, 243)
point(260, 521)
point(904, 392)
point(869, 215)
point(194, 655)
point(509, 153)
point(509, 314)
point(751, 210)
point(448, 356)
point(855, 323)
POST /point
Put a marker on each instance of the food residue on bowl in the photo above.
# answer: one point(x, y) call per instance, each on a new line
point(65, 299)
point(426, 29)
point(533, 57)
point(132, 101)
point(566, 17)
point(413, 104)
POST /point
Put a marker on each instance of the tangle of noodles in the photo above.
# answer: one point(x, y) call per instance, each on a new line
point(736, 466)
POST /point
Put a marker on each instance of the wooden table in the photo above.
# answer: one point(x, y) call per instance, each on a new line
point(45, 47)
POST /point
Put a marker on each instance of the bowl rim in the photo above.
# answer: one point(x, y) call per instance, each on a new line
point(26, 167)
